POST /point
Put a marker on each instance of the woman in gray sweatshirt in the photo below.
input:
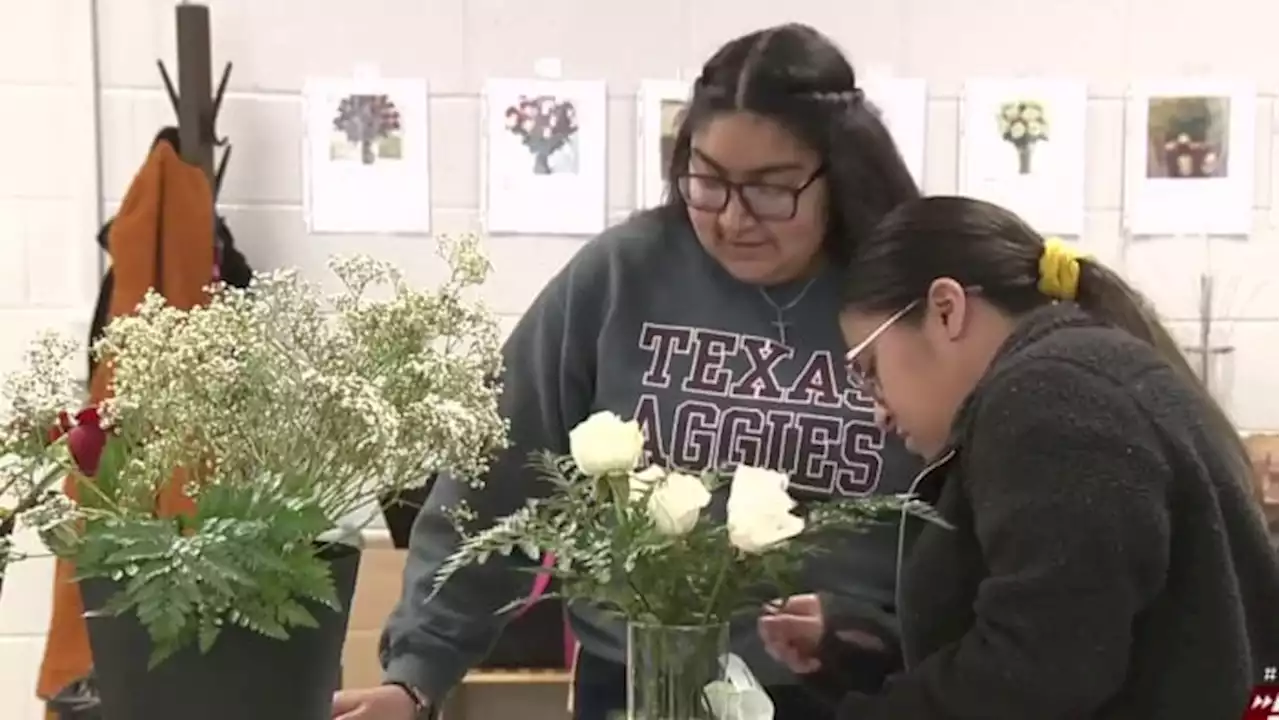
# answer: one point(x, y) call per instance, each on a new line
point(713, 321)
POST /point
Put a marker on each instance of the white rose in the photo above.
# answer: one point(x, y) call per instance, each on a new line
point(759, 486)
point(759, 510)
point(643, 481)
point(758, 532)
point(676, 502)
point(604, 444)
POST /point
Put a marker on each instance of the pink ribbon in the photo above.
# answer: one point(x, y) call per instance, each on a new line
point(540, 584)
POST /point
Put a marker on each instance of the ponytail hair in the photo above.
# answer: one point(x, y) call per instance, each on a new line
point(1108, 297)
point(979, 244)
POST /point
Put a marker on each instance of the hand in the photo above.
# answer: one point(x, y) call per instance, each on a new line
point(388, 702)
point(792, 630)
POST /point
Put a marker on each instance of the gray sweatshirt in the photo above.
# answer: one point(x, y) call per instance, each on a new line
point(644, 323)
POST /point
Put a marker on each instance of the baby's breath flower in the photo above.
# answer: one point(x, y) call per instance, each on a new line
point(287, 409)
point(33, 400)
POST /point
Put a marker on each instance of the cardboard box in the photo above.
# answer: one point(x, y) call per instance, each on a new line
point(1264, 454)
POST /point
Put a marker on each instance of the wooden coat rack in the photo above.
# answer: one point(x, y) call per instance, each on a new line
point(194, 102)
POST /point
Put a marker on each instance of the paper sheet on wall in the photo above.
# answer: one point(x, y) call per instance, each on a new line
point(366, 156)
point(903, 106)
point(662, 104)
point(1190, 159)
point(545, 157)
point(1024, 148)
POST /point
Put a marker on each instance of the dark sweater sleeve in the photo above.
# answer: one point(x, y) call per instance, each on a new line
point(1068, 483)
point(548, 378)
point(852, 667)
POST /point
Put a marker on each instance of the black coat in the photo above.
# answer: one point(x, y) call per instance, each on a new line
point(1105, 562)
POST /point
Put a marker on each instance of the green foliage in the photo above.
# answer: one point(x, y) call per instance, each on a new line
point(246, 557)
point(609, 552)
point(282, 412)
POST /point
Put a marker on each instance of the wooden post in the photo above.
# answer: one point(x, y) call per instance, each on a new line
point(195, 87)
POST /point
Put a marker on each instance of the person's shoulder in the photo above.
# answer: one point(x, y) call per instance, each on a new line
point(1087, 380)
point(1079, 358)
point(620, 262)
point(1051, 413)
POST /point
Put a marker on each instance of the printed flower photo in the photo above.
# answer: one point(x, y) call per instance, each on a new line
point(672, 112)
point(366, 128)
point(547, 127)
point(1023, 124)
point(1188, 137)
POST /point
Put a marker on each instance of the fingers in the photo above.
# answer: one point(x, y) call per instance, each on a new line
point(804, 604)
point(799, 658)
point(792, 628)
point(792, 640)
point(807, 604)
point(344, 702)
point(347, 706)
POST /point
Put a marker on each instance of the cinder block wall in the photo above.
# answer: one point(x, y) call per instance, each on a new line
point(49, 206)
point(77, 119)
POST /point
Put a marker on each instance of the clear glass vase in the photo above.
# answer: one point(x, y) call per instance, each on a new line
point(669, 667)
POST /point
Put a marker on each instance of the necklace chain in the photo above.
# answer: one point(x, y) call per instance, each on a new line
point(780, 310)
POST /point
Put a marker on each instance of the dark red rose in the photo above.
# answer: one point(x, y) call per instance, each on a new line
point(86, 441)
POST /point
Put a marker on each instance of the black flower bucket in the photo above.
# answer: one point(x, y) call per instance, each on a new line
point(245, 675)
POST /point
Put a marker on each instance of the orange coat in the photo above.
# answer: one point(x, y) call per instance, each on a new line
point(162, 237)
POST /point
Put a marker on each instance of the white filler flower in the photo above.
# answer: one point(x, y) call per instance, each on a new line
point(676, 503)
point(759, 509)
point(605, 444)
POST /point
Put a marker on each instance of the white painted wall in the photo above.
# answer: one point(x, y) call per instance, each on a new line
point(49, 200)
point(49, 195)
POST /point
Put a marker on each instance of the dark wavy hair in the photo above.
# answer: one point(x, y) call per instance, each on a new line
point(797, 77)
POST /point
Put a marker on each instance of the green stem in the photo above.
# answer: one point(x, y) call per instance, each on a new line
point(715, 589)
point(620, 493)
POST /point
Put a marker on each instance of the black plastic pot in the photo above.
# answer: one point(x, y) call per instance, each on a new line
point(245, 675)
point(401, 509)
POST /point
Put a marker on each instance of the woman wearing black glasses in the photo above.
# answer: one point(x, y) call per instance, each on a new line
point(713, 321)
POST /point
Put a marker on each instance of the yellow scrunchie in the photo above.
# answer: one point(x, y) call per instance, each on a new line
point(1060, 269)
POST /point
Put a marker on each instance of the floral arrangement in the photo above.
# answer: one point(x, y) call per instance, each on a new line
point(32, 418)
point(544, 124)
point(282, 412)
point(366, 121)
point(641, 542)
point(1022, 124)
point(1185, 157)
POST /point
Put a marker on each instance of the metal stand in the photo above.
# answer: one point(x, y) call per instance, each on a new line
point(1205, 351)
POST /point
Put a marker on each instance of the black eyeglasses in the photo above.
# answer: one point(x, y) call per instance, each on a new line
point(765, 201)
